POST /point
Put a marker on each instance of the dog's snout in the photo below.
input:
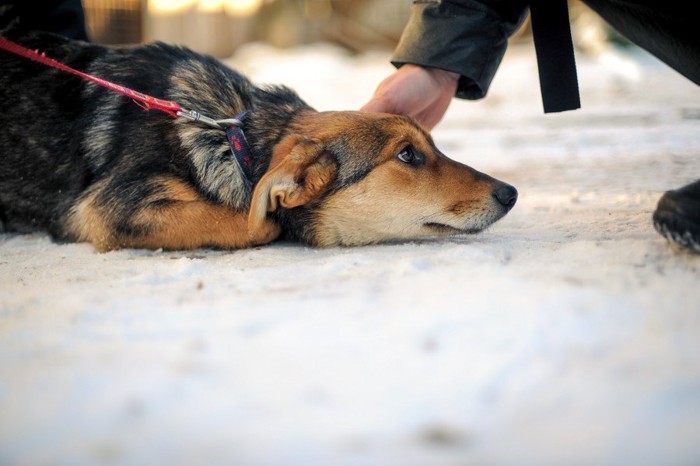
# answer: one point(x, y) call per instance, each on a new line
point(506, 195)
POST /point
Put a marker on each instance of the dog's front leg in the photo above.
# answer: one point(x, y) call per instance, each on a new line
point(196, 224)
point(176, 217)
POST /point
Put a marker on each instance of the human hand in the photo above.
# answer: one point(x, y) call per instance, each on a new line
point(421, 93)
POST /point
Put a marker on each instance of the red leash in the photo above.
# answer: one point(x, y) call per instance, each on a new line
point(145, 101)
point(232, 126)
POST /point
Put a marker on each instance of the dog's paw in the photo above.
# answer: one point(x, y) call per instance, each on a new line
point(264, 232)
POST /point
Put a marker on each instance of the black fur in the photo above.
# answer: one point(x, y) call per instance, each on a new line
point(87, 134)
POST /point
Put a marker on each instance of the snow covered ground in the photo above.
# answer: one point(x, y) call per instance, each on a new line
point(567, 334)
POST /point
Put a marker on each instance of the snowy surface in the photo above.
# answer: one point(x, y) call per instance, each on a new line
point(567, 334)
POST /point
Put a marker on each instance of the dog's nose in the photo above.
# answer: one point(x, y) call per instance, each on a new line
point(506, 195)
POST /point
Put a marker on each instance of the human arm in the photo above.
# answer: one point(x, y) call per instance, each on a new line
point(419, 92)
point(458, 45)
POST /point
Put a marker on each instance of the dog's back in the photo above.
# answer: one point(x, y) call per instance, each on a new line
point(61, 133)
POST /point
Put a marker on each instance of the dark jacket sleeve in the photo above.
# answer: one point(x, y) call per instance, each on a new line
point(468, 37)
point(64, 17)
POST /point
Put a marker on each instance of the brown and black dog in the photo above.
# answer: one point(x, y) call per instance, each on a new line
point(85, 164)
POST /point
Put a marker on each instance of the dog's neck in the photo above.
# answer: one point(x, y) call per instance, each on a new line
point(268, 122)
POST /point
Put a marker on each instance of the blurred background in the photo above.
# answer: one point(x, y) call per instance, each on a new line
point(218, 27)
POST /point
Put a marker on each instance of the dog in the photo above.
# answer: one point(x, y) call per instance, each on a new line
point(86, 164)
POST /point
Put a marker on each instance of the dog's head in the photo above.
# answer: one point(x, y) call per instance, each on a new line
point(351, 178)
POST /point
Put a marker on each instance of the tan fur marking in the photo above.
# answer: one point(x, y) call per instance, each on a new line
point(185, 221)
point(87, 223)
point(190, 221)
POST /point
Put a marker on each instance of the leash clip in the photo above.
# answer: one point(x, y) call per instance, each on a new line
point(195, 117)
point(198, 117)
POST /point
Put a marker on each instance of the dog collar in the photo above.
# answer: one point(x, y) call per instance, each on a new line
point(239, 146)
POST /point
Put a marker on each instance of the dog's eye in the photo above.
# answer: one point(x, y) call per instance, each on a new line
point(409, 156)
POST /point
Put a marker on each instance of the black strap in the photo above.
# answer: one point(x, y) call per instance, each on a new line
point(555, 55)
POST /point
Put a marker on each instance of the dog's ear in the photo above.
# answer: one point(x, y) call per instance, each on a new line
point(300, 171)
